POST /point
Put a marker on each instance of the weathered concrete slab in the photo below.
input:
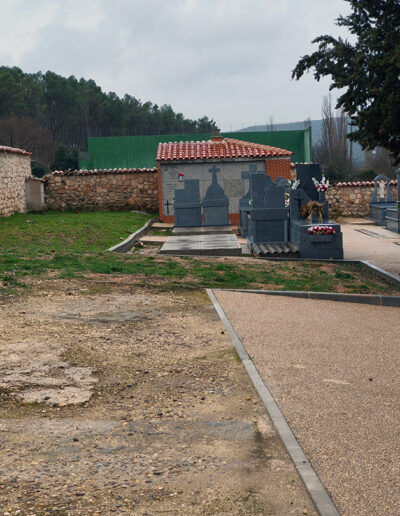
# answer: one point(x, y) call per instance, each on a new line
point(153, 239)
point(202, 230)
point(162, 225)
point(200, 244)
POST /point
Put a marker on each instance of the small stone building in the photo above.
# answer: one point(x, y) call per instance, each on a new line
point(15, 167)
point(178, 161)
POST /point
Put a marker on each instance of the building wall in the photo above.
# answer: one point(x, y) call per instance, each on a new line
point(141, 151)
point(15, 166)
point(117, 189)
point(352, 199)
point(278, 167)
point(229, 177)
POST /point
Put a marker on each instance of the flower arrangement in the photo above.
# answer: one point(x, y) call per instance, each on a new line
point(321, 230)
point(321, 186)
point(294, 184)
point(287, 200)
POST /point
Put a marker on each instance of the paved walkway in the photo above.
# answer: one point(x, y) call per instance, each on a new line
point(333, 369)
point(372, 243)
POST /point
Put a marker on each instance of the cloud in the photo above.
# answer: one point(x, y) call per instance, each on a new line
point(228, 59)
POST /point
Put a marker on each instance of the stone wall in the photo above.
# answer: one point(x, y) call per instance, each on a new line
point(137, 189)
point(113, 189)
point(15, 166)
point(352, 199)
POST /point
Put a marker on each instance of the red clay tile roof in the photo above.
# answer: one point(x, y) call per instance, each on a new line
point(228, 148)
point(13, 150)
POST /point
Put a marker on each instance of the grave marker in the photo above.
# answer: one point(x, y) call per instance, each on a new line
point(215, 203)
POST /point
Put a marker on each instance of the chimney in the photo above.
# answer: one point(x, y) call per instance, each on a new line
point(216, 136)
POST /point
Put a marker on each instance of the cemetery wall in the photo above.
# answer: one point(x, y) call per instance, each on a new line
point(15, 166)
point(138, 189)
point(113, 189)
point(352, 199)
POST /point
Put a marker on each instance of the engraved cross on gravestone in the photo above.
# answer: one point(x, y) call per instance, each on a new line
point(215, 203)
point(214, 170)
point(252, 170)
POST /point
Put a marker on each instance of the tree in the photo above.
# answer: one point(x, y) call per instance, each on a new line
point(369, 70)
point(25, 133)
point(332, 151)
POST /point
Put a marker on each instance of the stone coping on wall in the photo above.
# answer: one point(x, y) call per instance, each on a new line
point(37, 179)
point(14, 150)
point(361, 183)
point(101, 171)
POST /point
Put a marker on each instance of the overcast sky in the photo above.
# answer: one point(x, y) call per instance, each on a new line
point(228, 59)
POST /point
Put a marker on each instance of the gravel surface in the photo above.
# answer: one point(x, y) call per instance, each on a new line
point(383, 252)
point(170, 423)
point(333, 368)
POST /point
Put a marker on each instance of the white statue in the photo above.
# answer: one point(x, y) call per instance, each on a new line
point(381, 189)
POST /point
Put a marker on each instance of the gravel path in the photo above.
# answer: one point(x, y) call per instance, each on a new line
point(334, 370)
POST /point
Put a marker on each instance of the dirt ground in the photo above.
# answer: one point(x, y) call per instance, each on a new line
point(116, 399)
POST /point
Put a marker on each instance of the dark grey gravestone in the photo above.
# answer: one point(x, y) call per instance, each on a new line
point(379, 205)
point(215, 203)
point(312, 246)
point(187, 207)
point(393, 214)
point(244, 202)
point(267, 218)
point(305, 173)
point(281, 181)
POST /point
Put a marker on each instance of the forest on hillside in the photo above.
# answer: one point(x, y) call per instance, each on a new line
point(53, 116)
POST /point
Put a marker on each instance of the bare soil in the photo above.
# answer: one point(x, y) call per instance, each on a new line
point(163, 418)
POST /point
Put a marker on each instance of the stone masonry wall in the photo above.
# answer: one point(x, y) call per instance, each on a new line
point(15, 166)
point(137, 189)
point(114, 189)
point(352, 199)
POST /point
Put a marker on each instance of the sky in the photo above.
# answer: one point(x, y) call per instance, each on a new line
point(230, 60)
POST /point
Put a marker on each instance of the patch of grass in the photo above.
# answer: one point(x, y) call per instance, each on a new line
point(73, 245)
point(57, 232)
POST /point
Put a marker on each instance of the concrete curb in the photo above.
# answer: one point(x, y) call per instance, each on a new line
point(129, 242)
point(382, 273)
point(392, 278)
point(313, 484)
point(365, 299)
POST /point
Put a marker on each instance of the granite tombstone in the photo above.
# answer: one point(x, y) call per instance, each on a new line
point(215, 203)
point(382, 200)
point(187, 206)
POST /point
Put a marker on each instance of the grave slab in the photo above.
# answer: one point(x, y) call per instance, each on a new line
point(202, 244)
point(202, 230)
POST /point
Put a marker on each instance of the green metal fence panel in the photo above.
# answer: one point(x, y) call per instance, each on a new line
point(140, 151)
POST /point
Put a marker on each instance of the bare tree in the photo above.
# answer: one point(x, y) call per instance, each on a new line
point(25, 133)
point(271, 126)
point(333, 149)
point(380, 160)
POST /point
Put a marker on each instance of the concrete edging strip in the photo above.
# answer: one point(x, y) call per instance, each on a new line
point(366, 299)
point(313, 484)
point(129, 242)
point(382, 272)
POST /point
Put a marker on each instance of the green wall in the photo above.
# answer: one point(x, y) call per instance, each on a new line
point(140, 151)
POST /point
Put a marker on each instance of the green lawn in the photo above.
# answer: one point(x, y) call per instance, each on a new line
point(74, 245)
